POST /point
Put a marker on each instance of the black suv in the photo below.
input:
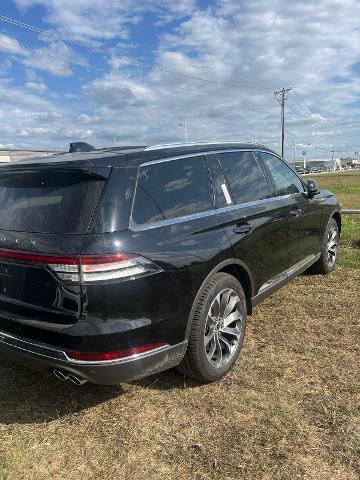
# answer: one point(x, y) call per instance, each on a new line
point(120, 263)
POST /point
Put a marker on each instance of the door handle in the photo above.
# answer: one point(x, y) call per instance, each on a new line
point(242, 228)
point(296, 212)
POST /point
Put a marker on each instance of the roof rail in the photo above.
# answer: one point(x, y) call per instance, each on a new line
point(192, 144)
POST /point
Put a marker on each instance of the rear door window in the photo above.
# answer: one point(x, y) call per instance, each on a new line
point(285, 179)
point(172, 189)
point(51, 200)
point(222, 195)
point(245, 177)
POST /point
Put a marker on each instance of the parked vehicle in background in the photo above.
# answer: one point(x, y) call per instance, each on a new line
point(300, 170)
point(117, 264)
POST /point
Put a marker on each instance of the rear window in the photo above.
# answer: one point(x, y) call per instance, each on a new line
point(52, 200)
point(172, 189)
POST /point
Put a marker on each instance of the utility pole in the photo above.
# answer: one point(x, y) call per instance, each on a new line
point(280, 96)
point(332, 158)
point(304, 156)
point(185, 131)
point(294, 152)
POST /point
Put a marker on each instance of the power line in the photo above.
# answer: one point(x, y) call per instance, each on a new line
point(298, 114)
point(320, 147)
point(124, 58)
point(326, 123)
point(136, 62)
point(312, 111)
point(87, 66)
point(56, 57)
point(313, 117)
point(310, 117)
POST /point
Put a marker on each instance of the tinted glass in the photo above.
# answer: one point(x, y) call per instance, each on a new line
point(48, 200)
point(172, 189)
point(244, 176)
point(113, 212)
point(286, 181)
point(222, 196)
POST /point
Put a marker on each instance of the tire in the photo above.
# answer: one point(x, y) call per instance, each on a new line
point(329, 250)
point(218, 321)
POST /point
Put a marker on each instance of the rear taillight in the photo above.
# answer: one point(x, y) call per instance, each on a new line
point(97, 269)
point(90, 268)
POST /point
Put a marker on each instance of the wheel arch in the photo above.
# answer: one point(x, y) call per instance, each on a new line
point(337, 217)
point(237, 269)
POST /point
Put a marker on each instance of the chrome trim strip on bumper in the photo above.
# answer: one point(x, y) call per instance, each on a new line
point(59, 355)
point(116, 361)
point(30, 347)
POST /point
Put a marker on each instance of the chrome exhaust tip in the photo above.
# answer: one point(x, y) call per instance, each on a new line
point(77, 380)
point(63, 376)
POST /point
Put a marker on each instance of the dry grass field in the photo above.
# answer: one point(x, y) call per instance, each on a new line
point(289, 410)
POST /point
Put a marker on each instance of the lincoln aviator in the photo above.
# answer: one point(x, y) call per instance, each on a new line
point(123, 262)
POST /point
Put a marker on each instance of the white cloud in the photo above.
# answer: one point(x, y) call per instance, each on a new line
point(106, 19)
point(261, 44)
point(55, 57)
point(10, 45)
point(27, 132)
point(38, 87)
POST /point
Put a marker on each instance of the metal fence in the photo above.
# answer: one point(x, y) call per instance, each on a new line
point(350, 212)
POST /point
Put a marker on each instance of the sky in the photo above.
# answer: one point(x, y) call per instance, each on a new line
point(113, 72)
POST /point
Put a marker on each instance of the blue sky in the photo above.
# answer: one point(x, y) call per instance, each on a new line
point(71, 92)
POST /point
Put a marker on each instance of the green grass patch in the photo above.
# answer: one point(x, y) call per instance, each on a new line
point(349, 258)
point(7, 464)
point(350, 233)
point(346, 186)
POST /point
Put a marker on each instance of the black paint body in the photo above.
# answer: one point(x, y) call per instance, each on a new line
point(257, 240)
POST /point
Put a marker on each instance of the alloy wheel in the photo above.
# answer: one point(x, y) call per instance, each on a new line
point(223, 327)
point(332, 245)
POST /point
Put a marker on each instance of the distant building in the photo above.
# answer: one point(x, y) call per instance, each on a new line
point(13, 155)
point(348, 162)
point(313, 162)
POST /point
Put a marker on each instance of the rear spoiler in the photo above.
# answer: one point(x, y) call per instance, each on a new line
point(80, 147)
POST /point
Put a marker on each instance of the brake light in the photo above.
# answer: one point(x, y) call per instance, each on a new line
point(90, 268)
point(106, 356)
point(121, 265)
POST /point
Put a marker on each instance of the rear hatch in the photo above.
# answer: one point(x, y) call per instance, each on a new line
point(45, 211)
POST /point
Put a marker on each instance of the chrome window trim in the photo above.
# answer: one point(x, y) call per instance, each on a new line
point(140, 227)
point(196, 154)
point(215, 211)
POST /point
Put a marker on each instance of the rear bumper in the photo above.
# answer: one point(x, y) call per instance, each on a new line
point(44, 358)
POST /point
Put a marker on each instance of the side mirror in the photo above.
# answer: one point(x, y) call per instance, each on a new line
point(312, 188)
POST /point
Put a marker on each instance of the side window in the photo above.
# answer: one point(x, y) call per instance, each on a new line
point(222, 196)
point(286, 181)
point(172, 189)
point(244, 176)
